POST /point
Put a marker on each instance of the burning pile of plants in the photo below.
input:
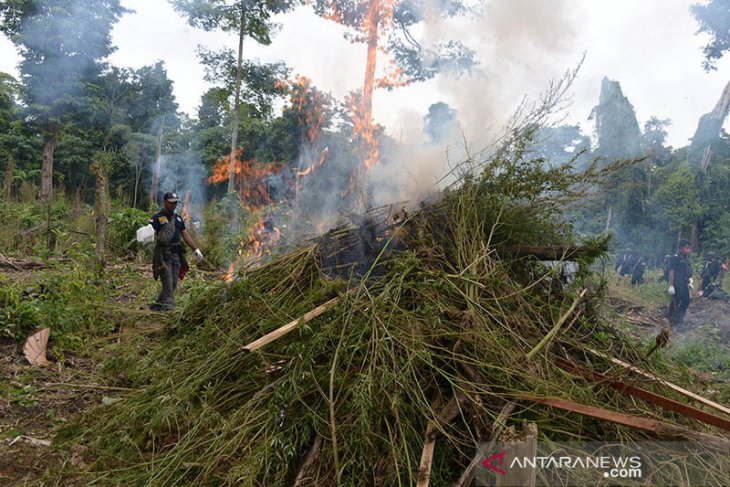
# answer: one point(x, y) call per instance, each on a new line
point(447, 333)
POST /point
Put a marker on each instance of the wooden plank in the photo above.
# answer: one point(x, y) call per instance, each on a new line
point(280, 332)
point(424, 470)
point(647, 396)
point(675, 387)
point(522, 445)
point(497, 428)
point(659, 428)
point(445, 416)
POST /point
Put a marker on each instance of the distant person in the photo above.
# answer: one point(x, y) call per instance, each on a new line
point(680, 282)
point(637, 272)
point(169, 252)
point(625, 263)
point(711, 270)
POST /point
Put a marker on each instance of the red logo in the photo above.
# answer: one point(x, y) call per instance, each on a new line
point(488, 462)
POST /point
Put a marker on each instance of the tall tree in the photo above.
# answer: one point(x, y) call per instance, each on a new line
point(247, 18)
point(619, 138)
point(714, 19)
point(386, 25)
point(63, 44)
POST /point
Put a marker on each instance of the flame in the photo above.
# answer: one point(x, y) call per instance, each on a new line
point(311, 168)
point(252, 189)
point(395, 78)
point(262, 239)
point(185, 212)
point(230, 274)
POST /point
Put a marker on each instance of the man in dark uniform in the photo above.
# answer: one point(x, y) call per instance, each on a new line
point(711, 270)
point(168, 255)
point(680, 282)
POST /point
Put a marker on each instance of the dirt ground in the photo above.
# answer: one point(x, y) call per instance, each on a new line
point(39, 400)
point(35, 401)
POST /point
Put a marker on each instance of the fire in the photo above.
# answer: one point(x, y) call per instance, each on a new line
point(395, 78)
point(311, 168)
point(229, 275)
point(378, 17)
point(185, 212)
point(251, 176)
point(264, 236)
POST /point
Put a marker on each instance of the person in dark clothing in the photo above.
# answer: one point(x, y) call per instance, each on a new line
point(711, 270)
point(680, 283)
point(625, 263)
point(169, 252)
point(637, 272)
point(620, 261)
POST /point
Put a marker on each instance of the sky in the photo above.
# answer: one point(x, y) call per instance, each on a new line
point(649, 46)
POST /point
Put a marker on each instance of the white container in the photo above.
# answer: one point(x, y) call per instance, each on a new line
point(146, 234)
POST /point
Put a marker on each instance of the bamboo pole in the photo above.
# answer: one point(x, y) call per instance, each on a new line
point(280, 332)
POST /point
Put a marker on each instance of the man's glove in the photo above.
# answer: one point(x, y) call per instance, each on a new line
point(671, 291)
point(198, 254)
point(691, 283)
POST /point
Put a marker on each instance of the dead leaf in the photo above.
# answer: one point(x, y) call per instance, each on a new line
point(77, 456)
point(35, 348)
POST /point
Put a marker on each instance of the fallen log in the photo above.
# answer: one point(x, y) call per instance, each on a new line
point(659, 428)
point(280, 332)
point(22, 265)
point(675, 387)
point(19, 265)
point(547, 252)
point(645, 395)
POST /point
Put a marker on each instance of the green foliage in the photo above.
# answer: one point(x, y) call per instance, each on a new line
point(123, 225)
point(19, 313)
point(679, 197)
point(704, 355)
point(714, 19)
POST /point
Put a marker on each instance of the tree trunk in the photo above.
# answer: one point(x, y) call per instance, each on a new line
point(373, 23)
point(236, 103)
point(137, 173)
point(100, 209)
point(49, 146)
point(158, 166)
point(7, 189)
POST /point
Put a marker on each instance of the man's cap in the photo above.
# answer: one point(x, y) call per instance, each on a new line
point(171, 197)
